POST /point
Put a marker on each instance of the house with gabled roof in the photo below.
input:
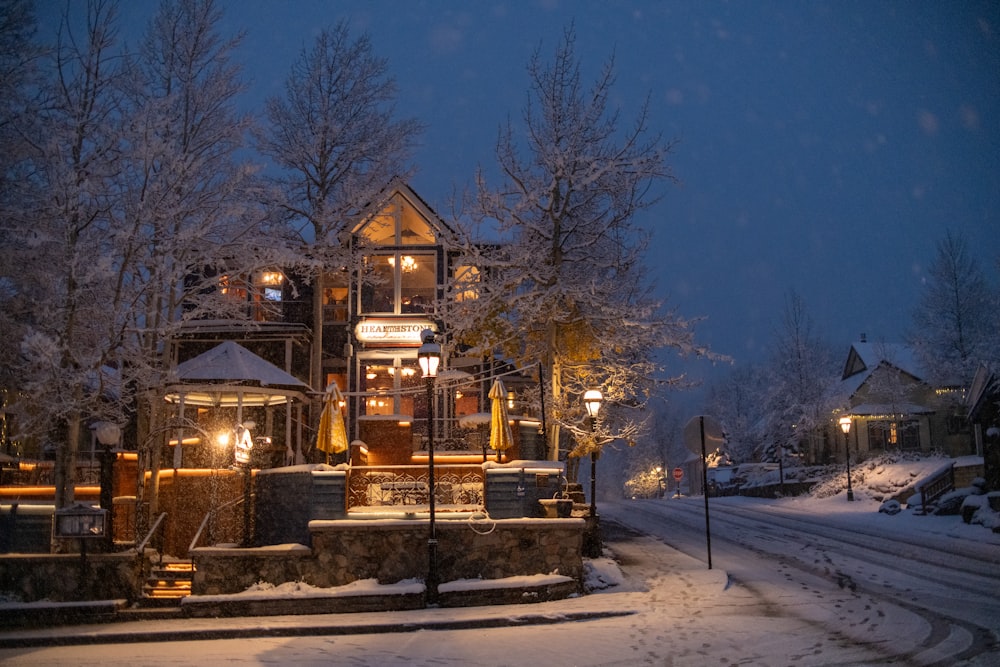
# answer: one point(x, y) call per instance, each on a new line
point(883, 389)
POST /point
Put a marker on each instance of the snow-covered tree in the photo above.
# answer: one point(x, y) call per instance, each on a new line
point(954, 323)
point(128, 190)
point(565, 286)
point(798, 398)
point(656, 452)
point(57, 231)
point(737, 401)
point(336, 142)
point(19, 55)
point(186, 215)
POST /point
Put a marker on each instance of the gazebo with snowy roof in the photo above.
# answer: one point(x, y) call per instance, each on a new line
point(231, 376)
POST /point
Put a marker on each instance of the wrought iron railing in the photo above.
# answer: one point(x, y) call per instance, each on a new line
point(155, 533)
point(42, 473)
point(224, 524)
point(390, 486)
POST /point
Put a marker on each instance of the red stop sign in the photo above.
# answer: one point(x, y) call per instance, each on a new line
point(678, 474)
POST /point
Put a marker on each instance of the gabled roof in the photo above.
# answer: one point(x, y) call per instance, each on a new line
point(865, 358)
point(395, 188)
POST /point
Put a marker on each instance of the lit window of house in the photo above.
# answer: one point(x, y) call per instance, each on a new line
point(399, 277)
point(335, 293)
point(887, 435)
point(268, 291)
point(392, 387)
point(466, 285)
point(233, 288)
point(260, 298)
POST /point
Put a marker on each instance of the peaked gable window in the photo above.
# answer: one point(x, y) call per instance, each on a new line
point(400, 276)
point(399, 223)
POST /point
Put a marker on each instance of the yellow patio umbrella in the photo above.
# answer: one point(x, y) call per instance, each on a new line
point(332, 436)
point(501, 438)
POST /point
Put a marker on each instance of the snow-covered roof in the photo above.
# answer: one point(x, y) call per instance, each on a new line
point(230, 375)
point(231, 362)
point(864, 358)
point(873, 354)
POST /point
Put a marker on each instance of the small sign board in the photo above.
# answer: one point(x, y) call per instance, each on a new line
point(80, 521)
point(392, 331)
point(678, 474)
point(707, 426)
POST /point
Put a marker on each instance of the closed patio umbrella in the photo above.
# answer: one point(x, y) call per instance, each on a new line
point(332, 436)
point(501, 438)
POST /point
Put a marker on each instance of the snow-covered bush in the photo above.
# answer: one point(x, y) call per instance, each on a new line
point(951, 502)
point(890, 507)
point(983, 513)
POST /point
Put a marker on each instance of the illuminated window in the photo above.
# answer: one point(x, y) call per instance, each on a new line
point(398, 223)
point(399, 278)
point(335, 293)
point(390, 387)
point(267, 296)
point(885, 434)
point(466, 285)
point(399, 283)
point(233, 288)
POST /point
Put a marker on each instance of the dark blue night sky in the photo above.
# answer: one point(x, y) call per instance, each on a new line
point(824, 147)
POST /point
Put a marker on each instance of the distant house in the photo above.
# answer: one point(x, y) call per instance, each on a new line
point(892, 407)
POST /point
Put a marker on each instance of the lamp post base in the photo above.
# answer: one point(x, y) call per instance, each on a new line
point(592, 544)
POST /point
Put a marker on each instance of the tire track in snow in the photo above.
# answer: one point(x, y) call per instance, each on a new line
point(856, 564)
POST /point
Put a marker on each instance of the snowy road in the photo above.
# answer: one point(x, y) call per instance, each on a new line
point(837, 590)
point(951, 583)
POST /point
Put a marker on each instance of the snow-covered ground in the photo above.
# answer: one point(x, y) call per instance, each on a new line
point(775, 596)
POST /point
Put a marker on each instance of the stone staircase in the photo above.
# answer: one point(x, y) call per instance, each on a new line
point(167, 584)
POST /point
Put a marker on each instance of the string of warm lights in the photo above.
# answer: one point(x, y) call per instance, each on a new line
point(474, 379)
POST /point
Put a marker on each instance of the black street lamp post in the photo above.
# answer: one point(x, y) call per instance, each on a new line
point(109, 435)
point(845, 426)
point(592, 542)
point(592, 401)
point(429, 356)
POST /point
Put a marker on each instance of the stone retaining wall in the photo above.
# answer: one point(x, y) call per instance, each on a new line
point(395, 550)
point(70, 578)
point(964, 475)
